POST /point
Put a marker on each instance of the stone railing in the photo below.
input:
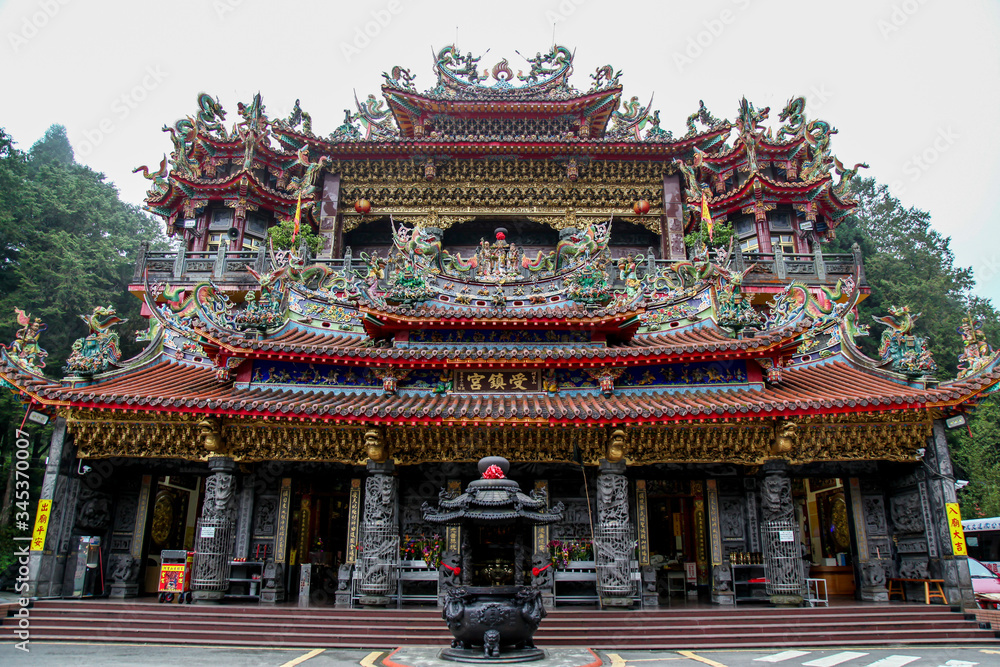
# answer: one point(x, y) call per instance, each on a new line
point(221, 266)
point(815, 268)
point(777, 268)
point(230, 266)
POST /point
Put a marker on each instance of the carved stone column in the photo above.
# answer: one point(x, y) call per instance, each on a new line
point(543, 577)
point(650, 595)
point(613, 539)
point(941, 490)
point(379, 557)
point(753, 526)
point(329, 205)
point(722, 584)
point(782, 558)
point(871, 533)
point(672, 223)
point(272, 586)
point(244, 518)
point(214, 535)
point(60, 485)
point(123, 569)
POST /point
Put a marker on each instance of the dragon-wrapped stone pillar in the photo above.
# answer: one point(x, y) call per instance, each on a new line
point(215, 535)
point(613, 537)
point(378, 560)
point(782, 557)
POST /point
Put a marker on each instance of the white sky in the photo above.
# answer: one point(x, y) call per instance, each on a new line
point(911, 85)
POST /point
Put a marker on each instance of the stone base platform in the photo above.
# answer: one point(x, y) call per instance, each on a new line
point(426, 656)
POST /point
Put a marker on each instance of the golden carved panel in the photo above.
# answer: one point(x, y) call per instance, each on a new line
point(461, 443)
point(888, 437)
point(253, 441)
point(103, 435)
point(503, 186)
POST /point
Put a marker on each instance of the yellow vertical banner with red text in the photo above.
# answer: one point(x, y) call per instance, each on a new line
point(955, 530)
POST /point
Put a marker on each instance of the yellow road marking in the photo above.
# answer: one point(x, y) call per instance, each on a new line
point(986, 650)
point(187, 646)
point(624, 660)
point(370, 659)
point(616, 660)
point(302, 658)
point(707, 661)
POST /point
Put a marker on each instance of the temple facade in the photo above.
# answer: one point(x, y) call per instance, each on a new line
point(643, 322)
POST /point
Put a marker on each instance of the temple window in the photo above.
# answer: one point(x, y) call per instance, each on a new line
point(784, 241)
point(256, 229)
point(780, 223)
point(220, 222)
point(746, 232)
point(750, 244)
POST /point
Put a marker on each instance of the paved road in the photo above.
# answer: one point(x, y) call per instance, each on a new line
point(122, 655)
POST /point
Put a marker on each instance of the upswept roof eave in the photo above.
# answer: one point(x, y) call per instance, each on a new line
point(225, 186)
point(347, 148)
point(434, 104)
point(798, 397)
point(32, 385)
point(307, 343)
point(731, 158)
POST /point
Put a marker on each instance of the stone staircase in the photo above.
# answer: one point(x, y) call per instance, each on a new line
point(681, 628)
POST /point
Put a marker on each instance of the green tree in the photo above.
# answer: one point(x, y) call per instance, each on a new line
point(907, 262)
point(722, 233)
point(73, 246)
point(53, 148)
point(67, 244)
point(977, 458)
point(13, 166)
point(281, 236)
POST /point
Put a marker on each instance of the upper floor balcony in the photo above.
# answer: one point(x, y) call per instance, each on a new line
point(769, 272)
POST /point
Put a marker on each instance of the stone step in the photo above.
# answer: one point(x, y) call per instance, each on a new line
point(145, 622)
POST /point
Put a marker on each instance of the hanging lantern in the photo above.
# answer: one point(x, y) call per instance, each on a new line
point(572, 170)
point(641, 207)
point(363, 206)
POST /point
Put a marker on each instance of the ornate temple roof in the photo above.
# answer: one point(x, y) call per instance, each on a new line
point(833, 386)
point(587, 324)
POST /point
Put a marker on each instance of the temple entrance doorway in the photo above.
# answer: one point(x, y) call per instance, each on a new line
point(822, 507)
point(673, 536)
point(319, 531)
point(175, 504)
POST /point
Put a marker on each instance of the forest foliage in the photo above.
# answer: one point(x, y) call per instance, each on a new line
point(67, 244)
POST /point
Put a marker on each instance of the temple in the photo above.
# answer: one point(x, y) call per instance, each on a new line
point(643, 322)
